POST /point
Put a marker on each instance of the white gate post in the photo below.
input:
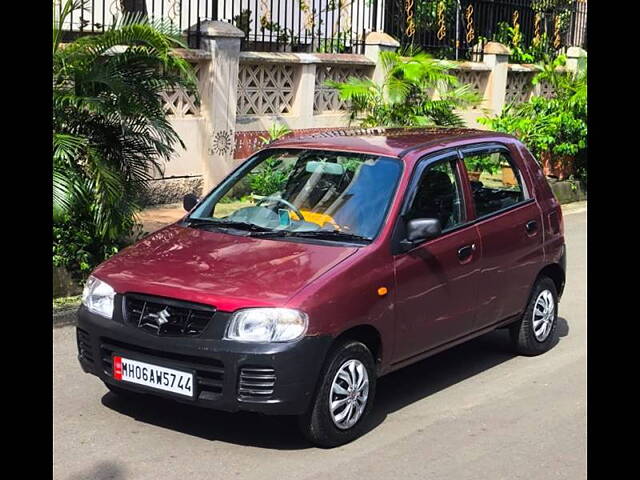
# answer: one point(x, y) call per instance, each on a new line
point(219, 99)
point(575, 57)
point(496, 56)
point(374, 44)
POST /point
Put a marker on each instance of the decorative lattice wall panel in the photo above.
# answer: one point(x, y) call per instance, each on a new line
point(476, 78)
point(519, 87)
point(545, 89)
point(179, 103)
point(265, 89)
point(327, 99)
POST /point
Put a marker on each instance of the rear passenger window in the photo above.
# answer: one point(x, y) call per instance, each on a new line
point(495, 181)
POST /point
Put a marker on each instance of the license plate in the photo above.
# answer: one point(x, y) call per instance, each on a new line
point(153, 376)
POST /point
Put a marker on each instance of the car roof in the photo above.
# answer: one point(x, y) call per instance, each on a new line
point(390, 142)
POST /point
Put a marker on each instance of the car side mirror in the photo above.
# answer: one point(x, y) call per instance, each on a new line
point(420, 230)
point(189, 201)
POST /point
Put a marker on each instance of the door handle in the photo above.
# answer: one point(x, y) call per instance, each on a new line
point(531, 226)
point(466, 251)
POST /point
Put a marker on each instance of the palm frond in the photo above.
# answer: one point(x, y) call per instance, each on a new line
point(389, 60)
point(404, 98)
point(60, 14)
point(354, 88)
point(397, 90)
point(464, 96)
point(111, 132)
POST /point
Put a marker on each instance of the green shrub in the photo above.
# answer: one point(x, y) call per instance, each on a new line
point(557, 125)
point(483, 163)
point(270, 176)
point(77, 248)
point(269, 179)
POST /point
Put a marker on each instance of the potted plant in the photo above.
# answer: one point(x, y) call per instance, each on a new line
point(557, 166)
point(474, 176)
point(508, 177)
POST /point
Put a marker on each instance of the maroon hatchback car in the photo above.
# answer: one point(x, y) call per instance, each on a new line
point(324, 262)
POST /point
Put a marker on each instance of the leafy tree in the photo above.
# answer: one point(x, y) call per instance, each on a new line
point(417, 90)
point(110, 131)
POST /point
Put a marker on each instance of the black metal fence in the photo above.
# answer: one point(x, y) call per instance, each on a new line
point(448, 28)
point(459, 28)
point(329, 26)
point(325, 26)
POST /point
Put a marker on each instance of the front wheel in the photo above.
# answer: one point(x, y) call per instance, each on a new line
point(344, 397)
point(536, 332)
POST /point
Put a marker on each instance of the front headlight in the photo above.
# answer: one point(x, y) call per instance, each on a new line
point(98, 297)
point(267, 325)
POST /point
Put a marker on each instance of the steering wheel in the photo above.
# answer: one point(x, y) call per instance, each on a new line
point(291, 206)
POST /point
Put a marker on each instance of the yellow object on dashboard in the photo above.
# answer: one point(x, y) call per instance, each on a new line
point(314, 217)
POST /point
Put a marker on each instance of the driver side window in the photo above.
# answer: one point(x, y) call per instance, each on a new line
point(438, 195)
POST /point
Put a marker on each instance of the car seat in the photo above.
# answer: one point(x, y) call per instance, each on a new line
point(434, 198)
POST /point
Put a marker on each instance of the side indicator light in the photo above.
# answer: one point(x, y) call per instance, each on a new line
point(382, 291)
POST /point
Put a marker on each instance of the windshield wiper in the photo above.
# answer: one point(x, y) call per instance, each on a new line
point(205, 222)
point(319, 234)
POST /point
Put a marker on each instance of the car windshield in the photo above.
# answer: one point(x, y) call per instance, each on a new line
point(311, 193)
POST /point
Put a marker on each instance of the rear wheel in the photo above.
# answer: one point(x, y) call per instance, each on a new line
point(344, 397)
point(536, 332)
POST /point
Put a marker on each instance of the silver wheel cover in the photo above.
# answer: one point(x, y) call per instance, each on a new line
point(543, 315)
point(348, 394)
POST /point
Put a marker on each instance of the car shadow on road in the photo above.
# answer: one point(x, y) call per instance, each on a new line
point(431, 375)
point(102, 471)
point(395, 391)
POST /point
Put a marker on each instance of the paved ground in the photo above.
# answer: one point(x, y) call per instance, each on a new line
point(153, 218)
point(473, 412)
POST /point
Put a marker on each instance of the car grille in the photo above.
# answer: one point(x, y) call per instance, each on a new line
point(256, 382)
point(84, 345)
point(209, 372)
point(167, 317)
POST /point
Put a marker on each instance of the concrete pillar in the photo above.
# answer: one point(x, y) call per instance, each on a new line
point(374, 44)
point(219, 99)
point(304, 93)
point(496, 56)
point(576, 59)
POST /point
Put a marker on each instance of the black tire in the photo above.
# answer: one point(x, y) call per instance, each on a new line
point(522, 332)
point(317, 425)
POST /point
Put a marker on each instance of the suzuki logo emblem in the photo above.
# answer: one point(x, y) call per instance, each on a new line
point(161, 317)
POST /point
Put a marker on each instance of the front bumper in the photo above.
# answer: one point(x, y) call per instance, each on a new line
point(217, 364)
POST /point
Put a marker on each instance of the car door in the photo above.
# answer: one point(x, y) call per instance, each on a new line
point(510, 226)
point(436, 281)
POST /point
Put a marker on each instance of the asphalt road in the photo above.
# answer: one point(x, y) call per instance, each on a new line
point(473, 412)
